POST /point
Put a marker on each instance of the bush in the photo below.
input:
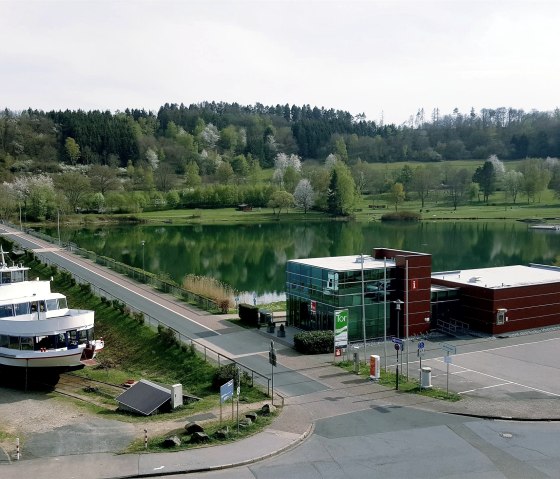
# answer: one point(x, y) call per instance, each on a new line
point(402, 216)
point(249, 314)
point(314, 342)
point(167, 336)
point(226, 373)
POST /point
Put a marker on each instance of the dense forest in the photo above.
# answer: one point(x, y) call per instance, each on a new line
point(213, 155)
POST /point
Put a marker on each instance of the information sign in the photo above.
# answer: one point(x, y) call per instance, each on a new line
point(341, 328)
point(449, 348)
point(226, 391)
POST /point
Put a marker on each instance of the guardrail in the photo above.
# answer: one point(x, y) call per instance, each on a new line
point(208, 353)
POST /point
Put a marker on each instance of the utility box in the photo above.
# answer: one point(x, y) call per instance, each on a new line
point(426, 378)
point(374, 367)
point(265, 316)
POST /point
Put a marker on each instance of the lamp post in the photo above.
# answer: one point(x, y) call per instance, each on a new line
point(398, 303)
point(143, 264)
point(363, 310)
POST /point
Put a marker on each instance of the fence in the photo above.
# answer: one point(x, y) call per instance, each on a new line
point(208, 353)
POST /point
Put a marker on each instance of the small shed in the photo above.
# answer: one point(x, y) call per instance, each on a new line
point(147, 398)
point(244, 207)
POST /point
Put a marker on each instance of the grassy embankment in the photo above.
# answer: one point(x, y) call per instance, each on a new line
point(135, 351)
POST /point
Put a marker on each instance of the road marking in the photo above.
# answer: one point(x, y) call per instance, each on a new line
point(140, 295)
point(502, 379)
point(485, 387)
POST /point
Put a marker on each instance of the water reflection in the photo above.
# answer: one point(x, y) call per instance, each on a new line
point(252, 258)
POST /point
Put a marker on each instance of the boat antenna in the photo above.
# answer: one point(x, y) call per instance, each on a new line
point(3, 262)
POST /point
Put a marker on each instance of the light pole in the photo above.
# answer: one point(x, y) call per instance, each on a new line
point(143, 264)
point(363, 310)
point(398, 303)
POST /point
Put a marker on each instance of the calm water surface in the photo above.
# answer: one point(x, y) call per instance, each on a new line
point(252, 258)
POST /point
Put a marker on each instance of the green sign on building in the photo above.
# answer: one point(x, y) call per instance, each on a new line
point(341, 328)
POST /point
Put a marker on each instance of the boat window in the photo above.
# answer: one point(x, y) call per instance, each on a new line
point(4, 341)
point(72, 339)
point(46, 342)
point(62, 304)
point(6, 277)
point(42, 307)
point(34, 307)
point(6, 310)
point(60, 340)
point(82, 337)
point(22, 308)
point(18, 276)
point(52, 304)
point(14, 342)
point(26, 343)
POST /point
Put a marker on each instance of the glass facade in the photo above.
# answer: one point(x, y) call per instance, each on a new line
point(313, 293)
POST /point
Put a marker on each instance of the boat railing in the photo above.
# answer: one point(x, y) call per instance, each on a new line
point(210, 355)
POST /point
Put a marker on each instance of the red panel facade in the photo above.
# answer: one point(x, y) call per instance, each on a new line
point(418, 290)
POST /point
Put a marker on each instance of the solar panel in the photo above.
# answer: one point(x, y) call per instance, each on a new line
point(144, 397)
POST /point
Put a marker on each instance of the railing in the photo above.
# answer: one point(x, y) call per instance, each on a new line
point(208, 353)
point(452, 326)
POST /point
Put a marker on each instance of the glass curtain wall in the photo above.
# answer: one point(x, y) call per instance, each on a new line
point(313, 294)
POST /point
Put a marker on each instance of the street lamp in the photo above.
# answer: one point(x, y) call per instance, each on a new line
point(143, 264)
point(398, 303)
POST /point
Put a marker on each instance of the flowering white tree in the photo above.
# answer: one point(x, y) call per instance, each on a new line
point(304, 196)
point(499, 167)
point(283, 161)
point(35, 194)
point(210, 135)
point(330, 162)
point(152, 159)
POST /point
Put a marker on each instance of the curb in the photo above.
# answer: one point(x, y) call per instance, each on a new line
point(220, 467)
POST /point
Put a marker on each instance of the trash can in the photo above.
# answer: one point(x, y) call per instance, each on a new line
point(265, 316)
point(356, 359)
point(426, 378)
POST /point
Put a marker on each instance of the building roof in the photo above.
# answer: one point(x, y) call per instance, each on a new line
point(145, 397)
point(345, 263)
point(503, 276)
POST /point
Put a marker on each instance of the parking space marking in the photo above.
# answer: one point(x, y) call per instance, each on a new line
point(485, 387)
point(500, 379)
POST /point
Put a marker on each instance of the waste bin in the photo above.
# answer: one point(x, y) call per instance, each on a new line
point(426, 378)
point(356, 359)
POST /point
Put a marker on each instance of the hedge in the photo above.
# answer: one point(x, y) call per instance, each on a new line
point(314, 342)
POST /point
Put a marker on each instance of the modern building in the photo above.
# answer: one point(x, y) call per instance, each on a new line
point(367, 286)
point(395, 293)
point(505, 299)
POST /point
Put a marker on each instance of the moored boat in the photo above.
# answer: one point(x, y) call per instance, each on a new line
point(37, 329)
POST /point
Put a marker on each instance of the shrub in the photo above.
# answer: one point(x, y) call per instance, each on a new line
point(402, 216)
point(249, 314)
point(226, 373)
point(85, 287)
point(314, 342)
point(167, 336)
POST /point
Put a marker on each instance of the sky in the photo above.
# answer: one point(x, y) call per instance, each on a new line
point(387, 59)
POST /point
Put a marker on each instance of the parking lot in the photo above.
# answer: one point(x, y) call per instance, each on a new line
point(516, 367)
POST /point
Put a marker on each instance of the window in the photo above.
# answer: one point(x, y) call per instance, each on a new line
point(14, 342)
point(52, 304)
point(26, 343)
point(6, 310)
point(62, 304)
point(22, 308)
point(4, 341)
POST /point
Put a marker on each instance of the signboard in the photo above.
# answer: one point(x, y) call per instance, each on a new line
point(226, 391)
point(272, 354)
point(341, 328)
point(421, 345)
point(448, 359)
point(449, 348)
point(414, 284)
point(397, 341)
point(313, 306)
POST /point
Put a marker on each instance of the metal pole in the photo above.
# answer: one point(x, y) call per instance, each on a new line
point(363, 311)
point(385, 311)
point(58, 224)
point(406, 317)
point(397, 369)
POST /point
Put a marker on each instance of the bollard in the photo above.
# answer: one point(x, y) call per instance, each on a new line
point(17, 448)
point(145, 439)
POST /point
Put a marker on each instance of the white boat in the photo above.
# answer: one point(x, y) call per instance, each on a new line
point(37, 329)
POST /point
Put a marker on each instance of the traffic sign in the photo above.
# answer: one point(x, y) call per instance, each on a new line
point(397, 341)
point(421, 345)
point(449, 348)
point(272, 354)
point(397, 346)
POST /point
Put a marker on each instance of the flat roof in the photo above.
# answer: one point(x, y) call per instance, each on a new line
point(345, 263)
point(503, 276)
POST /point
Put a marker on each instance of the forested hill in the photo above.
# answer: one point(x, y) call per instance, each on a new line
point(179, 134)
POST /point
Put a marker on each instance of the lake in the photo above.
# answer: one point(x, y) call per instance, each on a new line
point(252, 258)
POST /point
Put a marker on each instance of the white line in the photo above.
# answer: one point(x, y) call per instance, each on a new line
point(138, 294)
point(502, 379)
point(485, 387)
